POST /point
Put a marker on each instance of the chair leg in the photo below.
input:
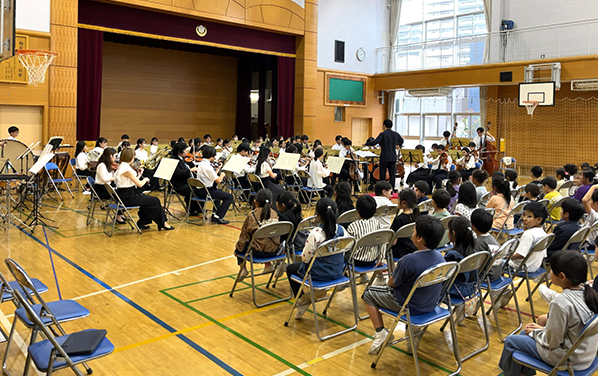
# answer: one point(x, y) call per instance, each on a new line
point(456, 350)
point(531, 301)
point(8, 342)
point(236, 281)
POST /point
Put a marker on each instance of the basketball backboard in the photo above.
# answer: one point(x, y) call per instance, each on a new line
point(7, 29)
point(541, 92)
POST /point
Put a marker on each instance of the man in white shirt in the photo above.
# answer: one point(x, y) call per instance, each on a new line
point(480, 139)
point(339, 143)
point(210, 178)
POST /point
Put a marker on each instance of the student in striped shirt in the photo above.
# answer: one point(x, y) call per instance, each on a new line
point(366, 208)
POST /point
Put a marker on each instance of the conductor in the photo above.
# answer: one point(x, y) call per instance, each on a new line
point(388, 140)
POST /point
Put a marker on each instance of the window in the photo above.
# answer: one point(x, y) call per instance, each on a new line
point(339, 114)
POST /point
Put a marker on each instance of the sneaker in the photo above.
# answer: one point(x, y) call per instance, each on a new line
point(380, 280)
point(379, 339)
point(364, 279)
point(302, 306)
point(269, 269)
point(282, 267)
point(244, 273)
point(417, 336)
point(219, 220)
point(539, 278)
point(547, 294)
point(86, 192)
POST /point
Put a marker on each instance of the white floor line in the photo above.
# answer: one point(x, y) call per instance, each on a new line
point(175, 272)
point(324, 357)
point(17, 338)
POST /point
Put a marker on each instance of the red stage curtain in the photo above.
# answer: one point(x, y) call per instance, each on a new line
point(286, 96)
point(89, 84)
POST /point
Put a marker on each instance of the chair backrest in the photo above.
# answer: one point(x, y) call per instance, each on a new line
point(514, 192)
point(24, 281)
point(445, 221)
point(425, 206)
point(590, 329)
point(484, 199)
point(544, 202)
point(566, 185)
point(51, 166)
point(335, 246)
point(196, 183)
point(349, 216)
point(504, 253)
point(306, 224)
point(444, 273)
point(377, 238)
point(255, 179)
point(578, 236)
point(559, 202)
point(386, 210)
point(273, 230)
point(404, 232)
point(73, 161)
point(475, 261)
point(91, 181)
point(540, 245)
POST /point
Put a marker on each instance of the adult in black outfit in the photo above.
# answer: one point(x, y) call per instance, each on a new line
point(183, 172)
point(388, 141)
point(150, 208)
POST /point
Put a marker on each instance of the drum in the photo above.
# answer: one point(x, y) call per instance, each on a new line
point(8, 157)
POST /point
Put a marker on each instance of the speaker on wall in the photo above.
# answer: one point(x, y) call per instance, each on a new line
point(506, 76)
point(339, 51)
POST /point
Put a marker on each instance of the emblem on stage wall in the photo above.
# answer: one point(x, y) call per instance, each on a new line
point(201, 30)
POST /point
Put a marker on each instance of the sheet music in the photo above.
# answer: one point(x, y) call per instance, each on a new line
point(236, 163)
point(335, 164)
point(41, 163)
point(366, 154)
point(166, 168)
point(287, 161)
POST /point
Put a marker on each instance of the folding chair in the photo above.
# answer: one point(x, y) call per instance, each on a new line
point(589, 253)
point(239, 193)
point(444, 244)
point(476, 262)
point(389, 210)
point(525, 276)
point(445, 274)
point(170, 194)
point(72, 163)
point(269, 231)
point(112, 210)
point(49, 355)
point(7, 287)
point(484, 200)
point(564, 366)
point(52, 314)
point(425, 206)
point(256, 184)
point(516, 231)
point(404, 232)
point(566, 186)
point(307, 224)
point(508, 162)
point(197, 186)
point(308, 192)
point(380, 239)
point(544, 202)
point(53, 167)
point(93, 201)
point(550, 208)
point(348, 217)
point(330, 248)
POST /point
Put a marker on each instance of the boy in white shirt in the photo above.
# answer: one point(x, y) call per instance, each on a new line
point(383, 192)
point(534, 215)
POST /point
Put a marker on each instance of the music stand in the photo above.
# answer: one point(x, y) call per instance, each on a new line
point(412, 156)
point(35, 215)
point(55, 142)
point(164, 171)
point(460, 142)
point(26, 153)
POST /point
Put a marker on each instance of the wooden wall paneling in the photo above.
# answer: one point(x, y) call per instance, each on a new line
point(145, 94)
point(64, 40)
point(236, 9)
point(63, 90)
point(64, 12)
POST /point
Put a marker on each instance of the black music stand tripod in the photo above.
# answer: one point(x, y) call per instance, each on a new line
point(412, 156)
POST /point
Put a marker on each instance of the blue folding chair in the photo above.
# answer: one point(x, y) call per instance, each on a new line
point(564, 366)
point(61, 179)
point(329, 248)
point(93, 201)
point(73, 163)
point(557, 204)
point(517, 229)
point(49, 355)
point(498, 288)
point(445, 244)
point(269, 231)
point(404, 232)
point(112, 210)
point(52, 314)
point(444, 273)
point(306, 225)
point(197, 186)
point(306, 191)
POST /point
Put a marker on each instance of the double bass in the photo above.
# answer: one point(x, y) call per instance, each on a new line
point(488, 153)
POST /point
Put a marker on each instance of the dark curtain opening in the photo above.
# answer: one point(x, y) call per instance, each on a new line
point(286, 96)
point(89, 84)
point(243, 126)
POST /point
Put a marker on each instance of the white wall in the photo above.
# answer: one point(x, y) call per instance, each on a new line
point(564, 41)
point(33, 15)
point(360, 24)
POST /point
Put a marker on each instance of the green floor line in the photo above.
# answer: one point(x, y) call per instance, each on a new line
point(197, 282)
point(239, 335)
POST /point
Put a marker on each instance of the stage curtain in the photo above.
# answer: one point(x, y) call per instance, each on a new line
point(286, 96)
point(89, 84)
point(243, 125)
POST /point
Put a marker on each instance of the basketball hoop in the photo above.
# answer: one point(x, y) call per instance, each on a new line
point(530, 106)
point(36, 62)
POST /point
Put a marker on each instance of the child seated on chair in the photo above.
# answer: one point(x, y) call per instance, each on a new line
point(568, 314)
point(571, 212)
point(536, 174)
point(481, 223)
point(440, 201)
point(323, 269)
point(263, 214)
point(383, 191)
point(426, 236)
point(534, 215)
point(590, 203)
point(478, 178)
point(410, 213)
point(422, 188)
point(552, 195)
point(365, 256)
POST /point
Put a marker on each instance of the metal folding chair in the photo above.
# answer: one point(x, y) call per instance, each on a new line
point(496, 289)
point(272, 230)
point(53, 167)
point(330, 248)
point(444, 273)
point(379, 239)
point(550, 208)
point(93, 201)
point(307, 224)
point(112, 210)
point(239, 193)
point(566, 186)
point(589, 253)
point(49, 355)
point(387, 210)
point(52, 314)
point(525, 275)
point(564, 366)
point(348, 217)
point(72, 163)
point(425, 206)
point(508, 162)
point(445, 242)
point(476, 262)
point(256, 184)
point(404, 232)
point(484, 200)
point(197, 186)
point(170, 195)
point(516, 231)
point(308, 192)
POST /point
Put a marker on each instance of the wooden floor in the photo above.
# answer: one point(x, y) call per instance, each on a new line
point(163, 297)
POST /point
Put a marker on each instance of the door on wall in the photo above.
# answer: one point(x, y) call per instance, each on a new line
point(361, 130)
point(27, 118)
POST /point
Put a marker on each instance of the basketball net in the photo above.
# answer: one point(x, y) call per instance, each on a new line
point(36, 62)
point(531, 106)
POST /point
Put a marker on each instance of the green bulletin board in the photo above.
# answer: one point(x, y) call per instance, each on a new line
point(345, 90)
